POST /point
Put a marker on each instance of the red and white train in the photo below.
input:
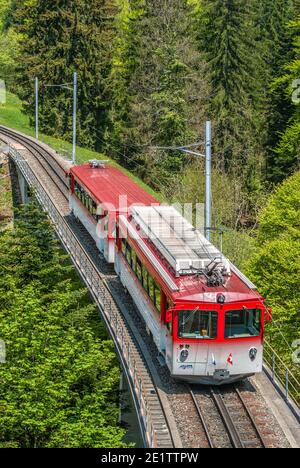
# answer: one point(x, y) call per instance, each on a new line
point(206, 318)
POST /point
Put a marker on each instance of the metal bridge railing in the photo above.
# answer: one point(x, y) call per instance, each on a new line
point(279, 372)
point(115, 323)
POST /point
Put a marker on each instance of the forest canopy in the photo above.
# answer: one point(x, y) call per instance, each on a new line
point(60, 382)
point(151, 72)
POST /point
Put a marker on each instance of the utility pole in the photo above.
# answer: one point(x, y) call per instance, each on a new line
point(37, 108)
point(208, 176)
point(191, 149)
point(74, 118)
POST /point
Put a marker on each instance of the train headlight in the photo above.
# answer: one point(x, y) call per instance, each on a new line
point(184, 355)
point(221, 299)
point(253, 354)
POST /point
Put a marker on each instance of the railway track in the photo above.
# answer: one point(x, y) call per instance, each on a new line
point(225, 418)
point(52, 167)
point(144, 387)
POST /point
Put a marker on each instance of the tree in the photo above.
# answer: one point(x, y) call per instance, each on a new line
point(61, 37)
point(157, 87)
point(228, 36)
point(281, 216)
point(274, 18)
point(275, 267)
point(285, 159)
point(59, 386)
point(9, 44)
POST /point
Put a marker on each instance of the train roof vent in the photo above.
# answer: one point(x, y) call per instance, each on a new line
point(95, 164)
point(186, 250)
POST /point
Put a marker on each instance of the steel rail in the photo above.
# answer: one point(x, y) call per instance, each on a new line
point(202, 419)
point(234, 434)
point(250, 416)
point(227, 419)
point(44, 157)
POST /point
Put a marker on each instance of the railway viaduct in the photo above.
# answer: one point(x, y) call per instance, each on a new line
point(170, 415)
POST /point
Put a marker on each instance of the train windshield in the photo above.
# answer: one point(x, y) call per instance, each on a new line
point(197, 324)
point(242, 323)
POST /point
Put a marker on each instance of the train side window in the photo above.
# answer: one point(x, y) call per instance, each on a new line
point(141, 272)
point(146, 280)
point(77, 190)
point(139, 269)
point(133, 260)
point(124, 245)
point(170, 327)
point(94, 210)
point(157, 297)
point(151, 289)
point(129, 255)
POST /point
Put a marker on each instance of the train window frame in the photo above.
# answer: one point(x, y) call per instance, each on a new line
point(139, 270)
point(124, 246)
point(152, 289)
point(256, 320)
point(133, 260)
point(146, 280)
point(199, 336)
point(157, 297)
point(143, 275)
point(129, 255)
point(86, 200)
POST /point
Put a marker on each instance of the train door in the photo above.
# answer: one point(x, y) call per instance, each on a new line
point(168, 334)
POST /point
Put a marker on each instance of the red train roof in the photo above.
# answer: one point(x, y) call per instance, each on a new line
point(106, 185)
point(191, 289)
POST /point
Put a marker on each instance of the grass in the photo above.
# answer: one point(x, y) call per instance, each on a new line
point(11, 116)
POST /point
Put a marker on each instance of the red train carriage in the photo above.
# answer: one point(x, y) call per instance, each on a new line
point(206, 318)
point(98, 195)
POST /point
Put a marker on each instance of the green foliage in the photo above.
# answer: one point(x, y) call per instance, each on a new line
point(9, 44)
point(281, 216)
point(233, 210)
point(228, 36)
point(59, 386)
point(275, 267)
point(157, 88)
point(287, 154)
point(285, 159)
point(276, 37)
point(6, 202)
point(4, 8)
point(12, 116)
point(77, 38)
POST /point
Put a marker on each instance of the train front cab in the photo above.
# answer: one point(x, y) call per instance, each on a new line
point(215, 343)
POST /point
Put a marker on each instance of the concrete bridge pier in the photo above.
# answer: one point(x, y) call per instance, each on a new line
point(24, 187)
